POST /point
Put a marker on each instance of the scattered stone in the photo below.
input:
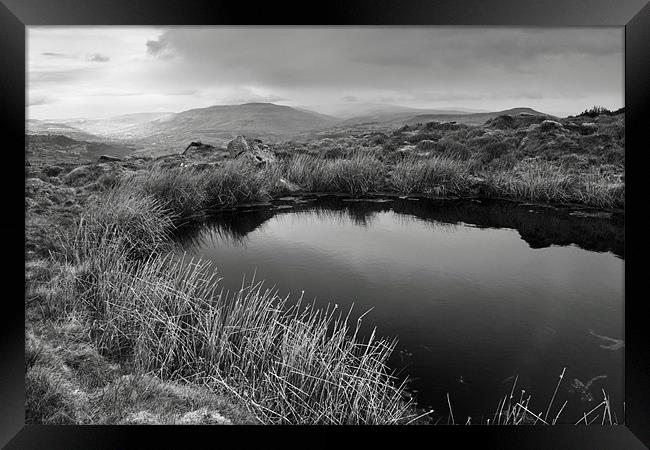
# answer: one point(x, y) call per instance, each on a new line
point(107, 158)
point(593, 214)
point(368, 200)
point(198, 146)
point(52, 171)
point(203, 417)
point(86, 174)
point(142, 418)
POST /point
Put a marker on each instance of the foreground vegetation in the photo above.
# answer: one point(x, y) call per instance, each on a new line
point(166, 317)
point(119, 330)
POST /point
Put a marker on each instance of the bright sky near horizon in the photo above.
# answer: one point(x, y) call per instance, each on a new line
point(95, 72)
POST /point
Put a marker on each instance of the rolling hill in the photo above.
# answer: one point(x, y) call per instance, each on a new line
point(470, 119)
point(57, 149)
point(218, 124)
point(169, 132)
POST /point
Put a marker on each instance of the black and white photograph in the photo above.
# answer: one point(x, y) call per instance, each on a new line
point(324, 225)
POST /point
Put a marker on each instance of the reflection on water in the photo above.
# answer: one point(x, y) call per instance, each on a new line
point(539, 226)
point(477, 293)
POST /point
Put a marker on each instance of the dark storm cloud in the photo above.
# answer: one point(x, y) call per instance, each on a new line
point(383, 58)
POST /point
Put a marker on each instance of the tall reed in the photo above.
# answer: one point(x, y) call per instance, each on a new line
point(291, 362)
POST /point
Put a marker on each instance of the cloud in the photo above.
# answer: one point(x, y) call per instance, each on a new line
point(247, 95)
point(159, 48)
point(58, 55)
point(154, 47)
point(98, 58)
point(58, 76)
point(426, 67)
point(35, 100)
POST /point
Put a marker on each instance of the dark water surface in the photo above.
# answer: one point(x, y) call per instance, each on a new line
point(476, 292)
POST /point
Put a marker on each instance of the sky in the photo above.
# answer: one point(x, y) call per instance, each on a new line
point(100, 72)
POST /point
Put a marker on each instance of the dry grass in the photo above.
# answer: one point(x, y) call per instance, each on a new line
point(358, 174)
point(546, 182)
point(168, 317)
point(437, 175)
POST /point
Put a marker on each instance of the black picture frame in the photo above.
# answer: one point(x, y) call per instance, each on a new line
point(15, 15)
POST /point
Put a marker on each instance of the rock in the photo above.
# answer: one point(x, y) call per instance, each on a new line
point(238, 146)
point(142, 418)
point(52, 171)
point(548, 125)
point(588, 128)
point(200, 166)
point(87, 174)
point(198, 146)
point(252, 151)
point(592, 214)
point(109, 158)
point(287, 186)
point(33, 184)
point(203, 417)
point(406, 148)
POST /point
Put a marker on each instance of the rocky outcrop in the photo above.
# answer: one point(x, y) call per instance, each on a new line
point(200, 147)
point(548, 125)
point(238, 146)
point(89, 173)
point(251, 150)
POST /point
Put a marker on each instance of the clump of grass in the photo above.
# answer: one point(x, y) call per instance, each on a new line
point(180, 191)
point(237, 182)
point(187, 192)
point(168, 316)
point(358, 174)
point(437, 174)
point(49, 399)
point(543, 181)
point(534, 181)
point(295, 364)
point(124, 219)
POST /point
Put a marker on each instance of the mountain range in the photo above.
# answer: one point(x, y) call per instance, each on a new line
point(270, 122)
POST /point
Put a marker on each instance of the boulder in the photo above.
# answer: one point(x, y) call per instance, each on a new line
point(238, 146)
point(588, 128)
point(52, 171)
point(252, 151)
point(548, 125)
point(87, 174)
